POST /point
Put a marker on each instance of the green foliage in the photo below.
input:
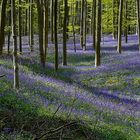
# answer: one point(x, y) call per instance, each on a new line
point(136, 81)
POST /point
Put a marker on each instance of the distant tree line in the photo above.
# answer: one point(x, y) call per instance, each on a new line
point(20, 18)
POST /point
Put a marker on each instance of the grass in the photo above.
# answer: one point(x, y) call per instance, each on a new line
point(114, 81)
point(75, 59)
point(25, 108)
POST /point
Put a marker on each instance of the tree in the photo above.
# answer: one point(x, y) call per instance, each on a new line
point(46, 20)
point(119, 48)
point(15, 56)
point(2, 23)
point(138, 18)
point(52, 19)
point(40, 27)
point(81, 21)
point(94, 22)
point(65, 33)
point(20, 27)
point(9, 31)
point(55, 35)
point(126, 29)
point(98, 34)
point(114, 18)
point(26, 20)
point(84, 25)
point(31, 41)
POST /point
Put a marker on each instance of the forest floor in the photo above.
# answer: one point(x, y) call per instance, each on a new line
point(106, 98)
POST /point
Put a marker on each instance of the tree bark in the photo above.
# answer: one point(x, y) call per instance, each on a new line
point(20, 27)
point(119, 48)
point(15, 56)
point(2, 24)
point(55, 35)
point(65, 33)
point(45, 27)
point(82, 21)
point(98, 35)
point(31, 39)
point(138, 19)
point(84, 25)
point(94, 23)
point(126, 29)
point(40, 26)
point(9, 32)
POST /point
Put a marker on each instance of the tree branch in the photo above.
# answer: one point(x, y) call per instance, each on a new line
point(55, 130)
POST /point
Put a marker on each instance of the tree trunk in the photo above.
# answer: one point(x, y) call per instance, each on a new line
point(26, 20)
point(84, 25)
point(40, 26)
point(98, 35)
point(52, 20)
point(9, 32)
point(45, 27)
point(20, 27)
point(31, 40)
point(82, 21)
point(94, 23)
point(126, 29)
point(138, 18)
point(15, 56)
point(119, 49)
point(73, 24)
point(55, 35)
point(65, 33)
point(2, 24)
point(114, 19)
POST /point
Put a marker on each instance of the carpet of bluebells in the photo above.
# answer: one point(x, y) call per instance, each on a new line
point(106, 98)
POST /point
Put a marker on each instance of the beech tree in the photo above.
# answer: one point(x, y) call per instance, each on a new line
point(138, 18)
point(78, 19)
point(2, 24)
point(20, 27)
point(65, 33)
point(98, 34)
point(119, 48)
point(94, 22)
point(55, 35)
point(31, 25)
point(14, 36)
point(40, 27)
point(81, 21)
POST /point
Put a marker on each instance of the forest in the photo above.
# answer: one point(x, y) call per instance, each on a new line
point(69, 70)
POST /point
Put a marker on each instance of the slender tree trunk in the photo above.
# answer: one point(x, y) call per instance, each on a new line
point(52, 20)
point(65, 33)
point(26, 20)
point(82, 21)
point(119, 49)
point(31, 40)
point(15, 56)
point(117, 19)
point(73, 24)
point(114, 19)
point(84, 25)
point(40, 26)
point(126, 29)
point(46, 2)
point(138, 18)
point(98, 35)
point(2, 24)
point(20, 27)
point(9, 32)
point(94, 23)
point(55, 35)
